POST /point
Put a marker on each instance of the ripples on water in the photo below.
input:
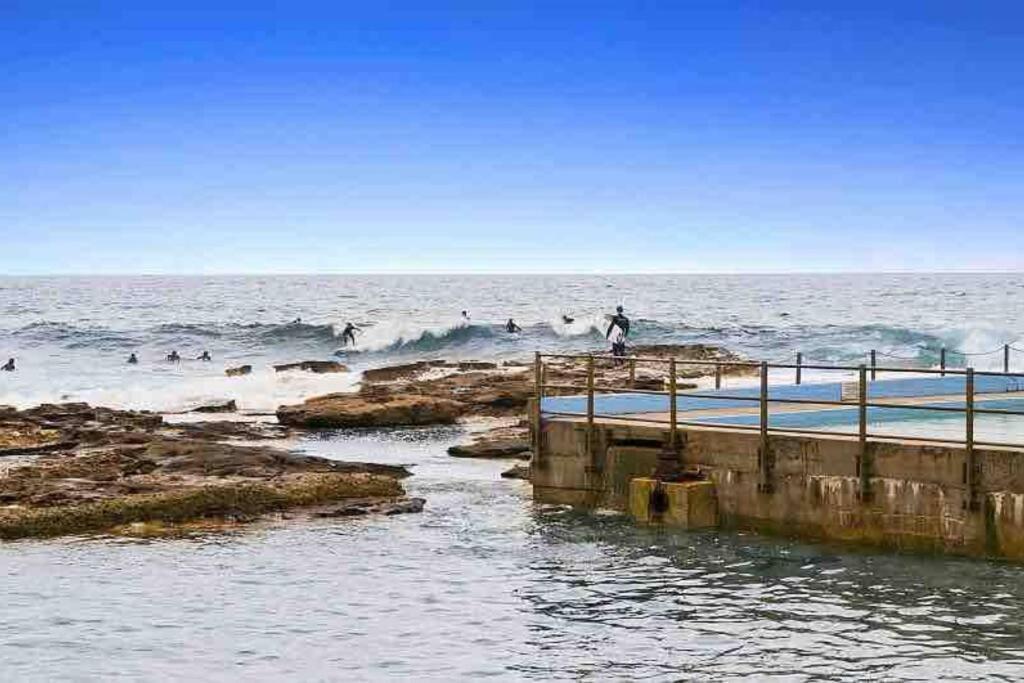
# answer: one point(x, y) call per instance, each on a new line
point(485, 584)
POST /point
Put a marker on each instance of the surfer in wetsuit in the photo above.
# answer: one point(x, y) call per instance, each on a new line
point(173, 357)
point(8, 366)
point(618, 330)
point(205, 355)
point(133, 359)
point(568, 320)
point(511, 327)
point(348, 335)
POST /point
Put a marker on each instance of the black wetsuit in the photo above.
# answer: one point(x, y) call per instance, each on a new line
point(348, 335)
point(511, 326)
point(620, 320)
point(8, 366)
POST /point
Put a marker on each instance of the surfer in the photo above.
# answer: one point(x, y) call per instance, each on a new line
point(8, 366)
point(618, 330)
point(205, 355)
point(511, 327)
point(133, 359)
point(465, 317)
point(173, 357)
point(348, 335)
point(568, 320)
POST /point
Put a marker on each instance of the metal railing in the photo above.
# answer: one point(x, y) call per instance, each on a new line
point(865, 373)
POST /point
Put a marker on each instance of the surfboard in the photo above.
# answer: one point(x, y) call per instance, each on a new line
point(616, 335)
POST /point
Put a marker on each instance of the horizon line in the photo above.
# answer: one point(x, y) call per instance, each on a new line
point(505, 272)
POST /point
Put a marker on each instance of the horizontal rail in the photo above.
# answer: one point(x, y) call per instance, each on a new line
point(871, 436)
point(969, 404)
point(785, 366)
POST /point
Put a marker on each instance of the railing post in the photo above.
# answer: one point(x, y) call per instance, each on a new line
point(942, 362)
point(590, 409)
point(632, 372)
point(864, 463)
point(764, 455)
point(538, 378)
point(1006, 358)
point(874, 365)
point(718, 375)
point(672, 415)
point(970, 465)
point(799, 362)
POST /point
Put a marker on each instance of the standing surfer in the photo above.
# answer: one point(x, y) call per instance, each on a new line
point(618, 330)
point(348, 335)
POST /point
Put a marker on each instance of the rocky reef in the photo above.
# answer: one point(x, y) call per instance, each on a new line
point(73, 468)
point(443, 392)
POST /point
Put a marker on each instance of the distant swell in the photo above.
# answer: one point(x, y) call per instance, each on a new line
point(831, 343)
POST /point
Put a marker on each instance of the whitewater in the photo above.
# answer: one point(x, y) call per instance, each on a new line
point(71, 336)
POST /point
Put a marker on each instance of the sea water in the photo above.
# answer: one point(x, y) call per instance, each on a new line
point(484, 583)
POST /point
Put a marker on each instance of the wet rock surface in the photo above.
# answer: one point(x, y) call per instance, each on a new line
point(506, 441)
point(360, 508)
point(224, 407)
point(517, 472)
point(491, 389)
point(316, 366)
point(103, 467)
point(335, 411)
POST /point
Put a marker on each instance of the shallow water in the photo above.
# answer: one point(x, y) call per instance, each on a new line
point(484, 583)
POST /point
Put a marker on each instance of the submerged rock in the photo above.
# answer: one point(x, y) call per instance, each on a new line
point(358, 410)
point(517, 472)
point(387, 507)
point(317, 366)
point(501, 441)
point(493, 448)
point(239, 371)
point(225, 407)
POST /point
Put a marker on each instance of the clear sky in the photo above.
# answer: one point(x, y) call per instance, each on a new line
point(204, 137)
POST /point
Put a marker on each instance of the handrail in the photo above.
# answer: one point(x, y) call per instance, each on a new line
point(973, 404)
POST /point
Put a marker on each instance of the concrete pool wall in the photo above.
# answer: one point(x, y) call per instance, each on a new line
point(903, 494)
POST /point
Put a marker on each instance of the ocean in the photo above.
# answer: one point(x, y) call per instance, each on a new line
point(71, 336)
point(484, 583)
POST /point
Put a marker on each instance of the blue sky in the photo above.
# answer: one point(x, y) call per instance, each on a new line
point(482, 136)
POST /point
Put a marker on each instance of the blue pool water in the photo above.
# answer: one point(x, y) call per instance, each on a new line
point(746, 397)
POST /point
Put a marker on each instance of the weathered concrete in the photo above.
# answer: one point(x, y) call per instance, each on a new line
point(685, 504)
point(913, 495)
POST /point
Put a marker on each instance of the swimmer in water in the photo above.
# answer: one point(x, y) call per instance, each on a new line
point(205, 355)
point(568, 320)
point(511, 327)
point(173, 357)
point(133, 359)
point(8, 366)
point(348, 335)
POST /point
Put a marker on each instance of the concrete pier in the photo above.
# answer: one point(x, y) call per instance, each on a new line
point(894, 493)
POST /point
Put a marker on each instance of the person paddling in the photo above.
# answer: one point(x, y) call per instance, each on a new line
point(133, 359)
point(511, 327)
point(204, 356)
point(8, 366)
